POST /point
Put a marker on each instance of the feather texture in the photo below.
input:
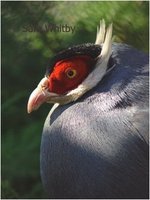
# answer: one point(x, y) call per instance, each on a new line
point(97, 147)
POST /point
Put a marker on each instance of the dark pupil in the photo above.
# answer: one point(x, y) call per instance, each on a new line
point(70, 73)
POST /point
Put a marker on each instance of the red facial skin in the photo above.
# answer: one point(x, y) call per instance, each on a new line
point(77, 68)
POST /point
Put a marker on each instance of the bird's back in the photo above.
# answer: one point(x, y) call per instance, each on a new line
point(97, 147)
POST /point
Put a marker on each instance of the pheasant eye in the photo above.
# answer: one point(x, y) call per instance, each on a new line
point(71, 73)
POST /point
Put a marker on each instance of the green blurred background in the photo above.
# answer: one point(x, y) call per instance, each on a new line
point(24, 57)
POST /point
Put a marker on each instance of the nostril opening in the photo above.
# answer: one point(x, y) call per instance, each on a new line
point(43, 83)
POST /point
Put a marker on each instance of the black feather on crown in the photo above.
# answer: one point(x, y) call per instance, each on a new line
point(89, 49)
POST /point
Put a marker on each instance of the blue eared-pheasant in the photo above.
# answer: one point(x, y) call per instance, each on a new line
point(95, 138)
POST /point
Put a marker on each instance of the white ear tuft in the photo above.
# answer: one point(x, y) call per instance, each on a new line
point(100, 32)
point(106, 49)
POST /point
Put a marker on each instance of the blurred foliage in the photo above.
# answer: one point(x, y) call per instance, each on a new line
point(24, 57)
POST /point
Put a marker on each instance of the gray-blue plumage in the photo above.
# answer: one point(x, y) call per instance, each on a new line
point(97, 147)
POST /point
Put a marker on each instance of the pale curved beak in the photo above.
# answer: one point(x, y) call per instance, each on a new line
point(39, 96)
